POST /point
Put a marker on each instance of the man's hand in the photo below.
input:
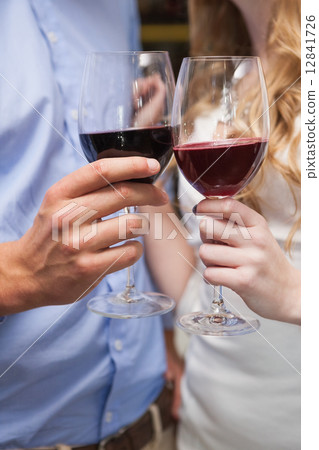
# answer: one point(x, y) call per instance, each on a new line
point(38, 271)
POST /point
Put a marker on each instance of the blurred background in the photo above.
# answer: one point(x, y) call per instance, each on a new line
point(164, 27)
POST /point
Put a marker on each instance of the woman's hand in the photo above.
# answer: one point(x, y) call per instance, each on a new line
point(61, 258)
point(240, 253)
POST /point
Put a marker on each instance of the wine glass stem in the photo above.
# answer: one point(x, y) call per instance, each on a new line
point(130, 280)
point(218, 304)
point(130, 283)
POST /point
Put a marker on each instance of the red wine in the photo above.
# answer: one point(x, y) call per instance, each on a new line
point(221, 168)
point(153, 142)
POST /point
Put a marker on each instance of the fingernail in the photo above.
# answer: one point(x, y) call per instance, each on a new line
point(153, 164)
point(194, 210)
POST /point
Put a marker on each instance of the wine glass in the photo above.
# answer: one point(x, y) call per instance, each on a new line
point(125, 110)
point(220, 126)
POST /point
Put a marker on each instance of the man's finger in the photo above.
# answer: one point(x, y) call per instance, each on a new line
point(104, 172)
point(112, 231)
point(107, 201)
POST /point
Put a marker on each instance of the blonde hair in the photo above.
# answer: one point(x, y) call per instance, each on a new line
point(217, 28)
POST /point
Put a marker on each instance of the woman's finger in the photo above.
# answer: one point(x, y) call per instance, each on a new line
point(221, 255)
point(230, 209)
point(222, 231)
point(222, 276)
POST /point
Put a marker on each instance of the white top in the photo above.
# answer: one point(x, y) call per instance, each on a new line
point(243, 392)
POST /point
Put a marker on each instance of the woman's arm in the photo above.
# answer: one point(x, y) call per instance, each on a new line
point(170, 260)
point(169, 256)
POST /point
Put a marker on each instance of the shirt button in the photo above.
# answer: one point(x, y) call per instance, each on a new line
point(108, 417)
point(118, 345)
point(52, 37)
point(74, 114)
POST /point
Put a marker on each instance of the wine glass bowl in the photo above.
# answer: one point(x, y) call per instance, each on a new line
point(220, 126)
point(221, 168)
point(125, 110)
point(125, 106)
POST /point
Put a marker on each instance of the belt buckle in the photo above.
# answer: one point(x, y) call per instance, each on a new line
point(106, 440)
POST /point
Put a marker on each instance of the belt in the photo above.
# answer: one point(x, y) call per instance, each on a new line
point(146, 429)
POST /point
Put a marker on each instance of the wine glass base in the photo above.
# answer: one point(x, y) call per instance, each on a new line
point(221, 324)
point(119, 306)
